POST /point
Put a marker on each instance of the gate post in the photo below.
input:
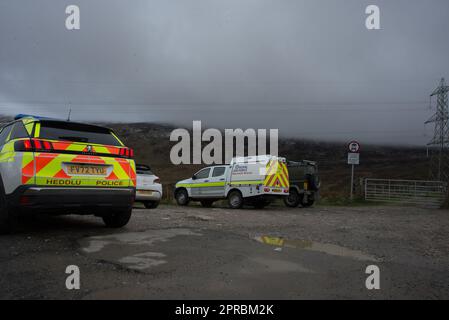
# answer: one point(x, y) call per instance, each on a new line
point(366, 187)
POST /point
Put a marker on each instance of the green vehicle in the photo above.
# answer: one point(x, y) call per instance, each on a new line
point(304, 183)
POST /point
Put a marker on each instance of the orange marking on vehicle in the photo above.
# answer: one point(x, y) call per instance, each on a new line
point(285, 171)
point(81, 158)
point(43, 159)
point(284, 181)
point(28, 172)
point(113, 150)
point(62, 175)
point(112, 176)
point(60, 145)
point(97, 160)
point(270, 179)
point(277, 182)
point(125, 165)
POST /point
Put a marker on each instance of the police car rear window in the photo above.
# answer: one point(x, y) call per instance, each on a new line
point(4, 133)
point(76, 132)
point(18, 131)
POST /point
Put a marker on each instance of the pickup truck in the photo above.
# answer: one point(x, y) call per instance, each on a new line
point(255, 180)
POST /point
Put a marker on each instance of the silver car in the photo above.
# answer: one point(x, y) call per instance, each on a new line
point(149, 188)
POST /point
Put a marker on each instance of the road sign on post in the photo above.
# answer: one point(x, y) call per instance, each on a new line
point(354, 147)
point(353, 159)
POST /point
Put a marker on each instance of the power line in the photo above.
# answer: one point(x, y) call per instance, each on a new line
point(439, 145)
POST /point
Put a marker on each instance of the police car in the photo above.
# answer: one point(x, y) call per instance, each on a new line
point(64, 167)
point(255, 180)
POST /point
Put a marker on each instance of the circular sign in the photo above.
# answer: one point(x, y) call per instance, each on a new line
point(354, 147)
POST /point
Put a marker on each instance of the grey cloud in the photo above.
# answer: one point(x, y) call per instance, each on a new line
point(307, 67)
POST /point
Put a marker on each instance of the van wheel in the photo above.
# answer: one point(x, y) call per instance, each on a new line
point(8, 217)
point(117, 219)
point(151, 204)
point(207, 203)
point(293, 199)
point(235, 199)
point(182, 198)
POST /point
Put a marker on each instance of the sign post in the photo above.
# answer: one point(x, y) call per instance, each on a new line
point(353, 160)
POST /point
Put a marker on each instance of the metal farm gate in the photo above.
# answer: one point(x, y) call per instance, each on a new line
point(416, 192)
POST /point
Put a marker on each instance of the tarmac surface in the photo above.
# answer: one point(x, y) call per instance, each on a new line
point(217, 253)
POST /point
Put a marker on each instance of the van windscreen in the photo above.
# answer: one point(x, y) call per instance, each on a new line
point(76, 132)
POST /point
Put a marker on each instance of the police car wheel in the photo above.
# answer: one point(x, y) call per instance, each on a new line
point(293, 200)
point(182, 198)
point(235, 200)
point(117, 219)
point(151, 204)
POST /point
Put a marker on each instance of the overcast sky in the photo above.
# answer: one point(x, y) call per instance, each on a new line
point(307, 67)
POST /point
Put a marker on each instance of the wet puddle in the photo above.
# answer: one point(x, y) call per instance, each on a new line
point(132, 250)
point(327, 248)
point(144, 260)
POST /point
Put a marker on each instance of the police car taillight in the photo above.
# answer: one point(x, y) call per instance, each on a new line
point(33, 145)
point(126, 152)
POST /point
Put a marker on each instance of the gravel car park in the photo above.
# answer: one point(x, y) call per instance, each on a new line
point(194, 252)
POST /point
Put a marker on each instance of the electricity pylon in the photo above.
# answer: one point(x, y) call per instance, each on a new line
point(439, 145)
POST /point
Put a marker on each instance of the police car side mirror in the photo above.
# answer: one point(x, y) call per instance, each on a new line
point(194, 177)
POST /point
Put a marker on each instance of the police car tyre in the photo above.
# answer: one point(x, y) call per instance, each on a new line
point(293, 199)
point(118, 218)
point(151, 204)
point(235, 199)
point(182, 197)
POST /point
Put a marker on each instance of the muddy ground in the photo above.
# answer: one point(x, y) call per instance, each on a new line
point(197, 253)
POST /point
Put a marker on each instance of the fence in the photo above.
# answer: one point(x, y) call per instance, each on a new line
point(415, 192)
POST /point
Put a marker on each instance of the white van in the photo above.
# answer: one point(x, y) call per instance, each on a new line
point(255, 180)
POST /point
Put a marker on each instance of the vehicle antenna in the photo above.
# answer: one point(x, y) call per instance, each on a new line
point(70, 112)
